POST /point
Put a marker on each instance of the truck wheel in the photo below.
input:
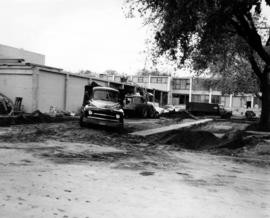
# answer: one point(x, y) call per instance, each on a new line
point(151, 114)
point(157, 114)
point(121, 127)
point(82, 124)
point(144, 113)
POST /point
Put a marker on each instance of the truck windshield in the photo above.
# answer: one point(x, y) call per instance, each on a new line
point(106, 95)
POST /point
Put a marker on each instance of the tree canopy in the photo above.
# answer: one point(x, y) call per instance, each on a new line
point(187, 26)
point(213, 33)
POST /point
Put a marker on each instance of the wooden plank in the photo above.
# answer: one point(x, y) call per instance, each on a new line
point(169, 128)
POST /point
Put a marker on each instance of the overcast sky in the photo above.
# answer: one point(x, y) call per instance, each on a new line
point(75, 34)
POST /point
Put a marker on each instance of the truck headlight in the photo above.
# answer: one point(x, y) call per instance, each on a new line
point(90, 112)
point(117, 116)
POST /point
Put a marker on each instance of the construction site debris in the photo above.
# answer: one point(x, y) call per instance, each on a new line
point(6, 105)
point(34, 117)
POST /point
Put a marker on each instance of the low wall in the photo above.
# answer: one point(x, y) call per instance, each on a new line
point(41, 89)
point(17, 83)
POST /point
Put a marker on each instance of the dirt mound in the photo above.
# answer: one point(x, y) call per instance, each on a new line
point(72, 157)
point(180, 115)
point(189, 139)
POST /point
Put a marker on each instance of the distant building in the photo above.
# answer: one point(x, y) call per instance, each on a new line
point(192, 89)
point(8, 52)
point(24, 74)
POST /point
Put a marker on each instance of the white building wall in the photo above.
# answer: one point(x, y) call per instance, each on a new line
point(75, 92)
point(17, 83)
point(51, 91)
point(8, 52)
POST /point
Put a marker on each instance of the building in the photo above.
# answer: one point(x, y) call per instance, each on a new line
point(8, 52)
point(43, 87)
point(24, 74)
point(191, 89)
point(185, 89)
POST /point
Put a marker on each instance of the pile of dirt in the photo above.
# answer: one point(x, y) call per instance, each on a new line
point(32, 118)
point(188, 139)
point(180, 115)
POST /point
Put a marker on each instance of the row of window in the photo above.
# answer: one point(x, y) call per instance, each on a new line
point(183, 99)
point(177, 84)
point(161, 80)
point(205, 98)
point(181, 84)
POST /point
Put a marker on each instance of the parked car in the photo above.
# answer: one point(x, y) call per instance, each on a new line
point(101, 106)
point(159, 110)
point(169, 108)
point(179, 108)
point(250, 115)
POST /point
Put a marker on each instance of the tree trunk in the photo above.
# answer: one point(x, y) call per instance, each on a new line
point(265, 114)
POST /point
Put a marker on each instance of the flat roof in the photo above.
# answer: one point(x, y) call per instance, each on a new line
point(105, 88)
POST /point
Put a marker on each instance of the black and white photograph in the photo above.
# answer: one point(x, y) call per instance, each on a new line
point(135, 109)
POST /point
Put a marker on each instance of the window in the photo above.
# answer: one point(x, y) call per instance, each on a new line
point(117, 79)
point(183, 99)
point(106, 95)
point(181, 84)
point(140, 79)
point(153, 80)
point(137, 100)
point(145, 79)
point(135, 79)
point(164, 80)
point(216, 99)
point(199, 84)
point(160, 80)
point(200, 98)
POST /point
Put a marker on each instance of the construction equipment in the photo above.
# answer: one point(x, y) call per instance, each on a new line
point(6, 105)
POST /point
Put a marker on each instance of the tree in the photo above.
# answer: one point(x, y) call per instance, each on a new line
point(111, 72)
point(145, 72)
point(230, 69)
point(87, 72)
point(199, 29)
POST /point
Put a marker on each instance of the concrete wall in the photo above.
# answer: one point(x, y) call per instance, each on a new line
point(42, 87)
point(51, 91)
point(75, 92)
point(11, 52)
point(17, 83)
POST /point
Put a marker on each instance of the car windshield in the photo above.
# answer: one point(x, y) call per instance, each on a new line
point(106, 95)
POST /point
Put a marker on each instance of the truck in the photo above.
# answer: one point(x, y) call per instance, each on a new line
point(201, 108)
point(102, 106)
point(136, 105)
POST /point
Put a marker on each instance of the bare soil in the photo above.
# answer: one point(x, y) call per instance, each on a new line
point(62, 170)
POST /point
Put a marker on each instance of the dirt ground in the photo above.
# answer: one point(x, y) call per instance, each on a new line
point(62, 170)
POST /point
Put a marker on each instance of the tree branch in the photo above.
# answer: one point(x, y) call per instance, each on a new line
point(255, 67)
point(251, 36)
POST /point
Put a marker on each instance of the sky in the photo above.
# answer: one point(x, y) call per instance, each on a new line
point(76, 34)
